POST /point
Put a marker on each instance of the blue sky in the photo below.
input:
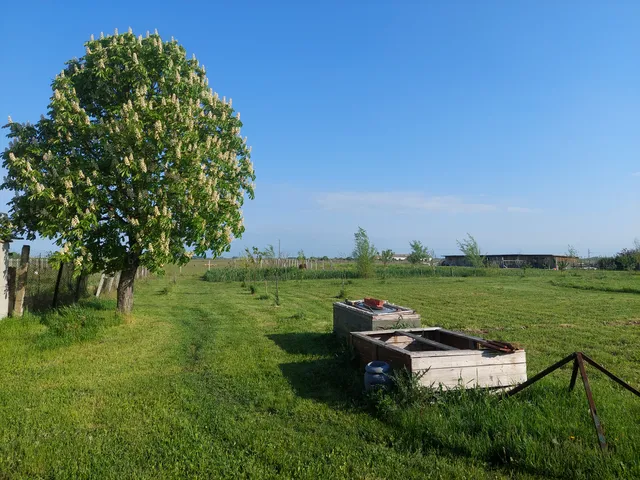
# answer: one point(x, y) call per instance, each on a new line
point(514, 121)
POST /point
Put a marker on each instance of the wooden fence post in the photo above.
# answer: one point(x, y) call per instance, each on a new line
point(100, 285)
point(81, 287)
point(54, 304)
point(110, 284)
point(84, 285)
point(11, 286)
point(76, 293)
point(22, 280)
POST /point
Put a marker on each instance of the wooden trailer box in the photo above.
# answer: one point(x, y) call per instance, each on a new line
point(443, 357)
point(355, 316)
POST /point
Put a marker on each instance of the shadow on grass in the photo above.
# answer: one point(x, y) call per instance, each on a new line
point(597, 288)
point(41, 302)
point(93, 303)
point(307, 343)
point(333, 379)
point(328, 380)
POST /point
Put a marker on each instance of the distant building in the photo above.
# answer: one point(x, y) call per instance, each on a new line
point(403, 257)
point(515, 260)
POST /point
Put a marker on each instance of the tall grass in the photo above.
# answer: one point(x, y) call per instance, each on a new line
point(512, 433)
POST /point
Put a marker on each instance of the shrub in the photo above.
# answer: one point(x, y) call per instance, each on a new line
point(471, 250)
point(627, 259)
point(607, 263)
point(365, 254)
point(419, 253)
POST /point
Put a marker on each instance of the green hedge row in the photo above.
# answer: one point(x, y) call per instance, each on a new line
point(239, 274)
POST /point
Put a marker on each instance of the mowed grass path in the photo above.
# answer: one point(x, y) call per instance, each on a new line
point(207, 381)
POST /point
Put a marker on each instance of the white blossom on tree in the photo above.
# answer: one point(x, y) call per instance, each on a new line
point(132, 130)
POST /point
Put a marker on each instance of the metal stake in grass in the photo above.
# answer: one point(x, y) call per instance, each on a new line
point(578, 366)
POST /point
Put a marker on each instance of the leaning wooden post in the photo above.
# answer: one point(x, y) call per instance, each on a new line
point(21, 289)
point(54, 304)
point(11, 285)
point(100, 285)
point(110, 284)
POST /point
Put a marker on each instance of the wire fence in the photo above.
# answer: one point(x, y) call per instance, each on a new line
point(41, 281)
point(40, 284)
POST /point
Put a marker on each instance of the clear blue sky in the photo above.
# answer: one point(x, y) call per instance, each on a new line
point(518, 122)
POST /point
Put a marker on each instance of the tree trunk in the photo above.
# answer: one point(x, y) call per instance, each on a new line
point(57, 289)
point(125, 288)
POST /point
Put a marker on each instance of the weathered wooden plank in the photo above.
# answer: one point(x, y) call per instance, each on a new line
point(481, 376)
point(426, 341)
point(494, 382)
point(384, 323)
point(11, 287)
point(21, 288)
point(461, 342)
point(379, 333)
point(370, 349)
point(110, 284)
point(397, 359)
point(375, 341)
point(347, 318)
point(475, 351)
point(100, 284)
point(400, 342)
point(469, 360)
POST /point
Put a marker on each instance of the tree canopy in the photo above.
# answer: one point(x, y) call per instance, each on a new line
point(364, 252)
point(137, 162)
point(386, 256)
point(471, 250)
point(419, 253)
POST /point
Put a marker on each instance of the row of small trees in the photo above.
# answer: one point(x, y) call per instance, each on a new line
point(365, 253)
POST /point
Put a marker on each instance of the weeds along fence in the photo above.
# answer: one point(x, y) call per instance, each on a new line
point(41, 283)
point(240, 274)
point(32, 285)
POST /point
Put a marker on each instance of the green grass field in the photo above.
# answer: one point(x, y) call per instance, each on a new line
point(208, 381)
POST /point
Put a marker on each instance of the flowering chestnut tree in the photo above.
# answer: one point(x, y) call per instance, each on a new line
point(137, 163)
